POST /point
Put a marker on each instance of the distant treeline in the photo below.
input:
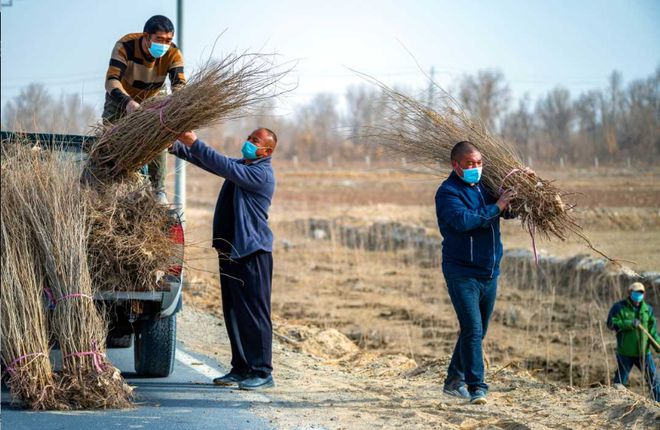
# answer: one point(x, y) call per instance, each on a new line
point(613, 124)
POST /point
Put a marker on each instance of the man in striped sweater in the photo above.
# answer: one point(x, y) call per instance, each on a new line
point(139, 64)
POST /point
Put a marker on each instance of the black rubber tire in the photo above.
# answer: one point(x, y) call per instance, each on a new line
point(155, 345)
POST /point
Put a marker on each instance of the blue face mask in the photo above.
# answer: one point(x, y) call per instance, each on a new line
point(249, 150)
point(157, 50)
point(637, 296)
point(472, 176)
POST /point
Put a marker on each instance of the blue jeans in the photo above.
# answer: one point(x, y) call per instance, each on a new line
point(473, 301)
point(625, 365)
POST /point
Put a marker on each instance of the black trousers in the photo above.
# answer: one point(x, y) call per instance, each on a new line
point(246, 285)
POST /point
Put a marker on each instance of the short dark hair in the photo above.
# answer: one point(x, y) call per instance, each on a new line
point(462, 148)
point(158, 23)
point(271, 133)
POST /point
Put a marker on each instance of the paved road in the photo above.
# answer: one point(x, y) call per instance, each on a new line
point(185, 400)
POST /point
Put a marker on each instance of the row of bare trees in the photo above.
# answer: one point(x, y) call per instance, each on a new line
point(35, 109)
point(612, 123)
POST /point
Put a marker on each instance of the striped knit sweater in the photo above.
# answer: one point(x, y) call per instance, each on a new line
point(134, 74)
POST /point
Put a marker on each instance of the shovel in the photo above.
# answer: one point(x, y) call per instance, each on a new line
point(655, 344)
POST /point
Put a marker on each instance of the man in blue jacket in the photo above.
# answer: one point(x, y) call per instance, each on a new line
point(469, 221)
point(244, 243)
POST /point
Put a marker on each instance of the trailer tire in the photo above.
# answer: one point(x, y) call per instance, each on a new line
point(155, 345)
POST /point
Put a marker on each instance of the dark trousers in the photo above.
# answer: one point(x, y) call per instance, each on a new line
point(246, 285)
point(625, 365)
point(473, 300)
point(157, 168)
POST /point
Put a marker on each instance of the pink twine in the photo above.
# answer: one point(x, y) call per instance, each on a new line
point(532, 228)
point(97, 356)
point(10, 366)
point(53, 301)
point(160, 115)
point(532, 231)
point(160, 108)
point(506, 177)
point(75, 295)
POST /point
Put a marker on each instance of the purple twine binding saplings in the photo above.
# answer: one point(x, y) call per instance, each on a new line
point(98, 358)
point(532, 228)
point(10, 366)
point(160, 107)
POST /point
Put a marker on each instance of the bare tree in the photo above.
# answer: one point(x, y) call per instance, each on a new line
point(589, 127)
point(555, 115)
point(317, 127)
point(640, 129)
point(519, 127)
point(486, 96)
point(75, 116)
point(612, 106)
point(364, 108)
point(34, 109)
point(31, 110)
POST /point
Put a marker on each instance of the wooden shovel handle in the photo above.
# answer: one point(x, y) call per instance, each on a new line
point(657, 347)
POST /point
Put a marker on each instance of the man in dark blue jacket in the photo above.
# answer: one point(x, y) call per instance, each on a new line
point(244, 243)
point(469, 221)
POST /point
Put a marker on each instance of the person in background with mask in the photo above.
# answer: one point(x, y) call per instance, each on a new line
point(244, 243)
point(139, 64)
point(469, 221)
point(633, 347)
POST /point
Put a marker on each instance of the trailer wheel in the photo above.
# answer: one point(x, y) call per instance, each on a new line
point(155, 344)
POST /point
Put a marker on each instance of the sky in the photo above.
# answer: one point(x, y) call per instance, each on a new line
point(537, 44)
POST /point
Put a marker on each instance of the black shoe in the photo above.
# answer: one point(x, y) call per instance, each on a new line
point(256, 383)
point(229, 379)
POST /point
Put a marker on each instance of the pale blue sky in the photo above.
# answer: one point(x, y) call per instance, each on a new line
point(537, 44)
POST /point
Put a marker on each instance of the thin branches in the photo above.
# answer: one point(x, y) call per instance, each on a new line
point(426, 136)
point(47, 200)
point(221, 90)
point(129, 238)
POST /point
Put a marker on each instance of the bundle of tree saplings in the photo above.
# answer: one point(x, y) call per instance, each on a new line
point(130, 247)
point(23, 320)
point(220, 90)
point(427, 135)
point(47, 197)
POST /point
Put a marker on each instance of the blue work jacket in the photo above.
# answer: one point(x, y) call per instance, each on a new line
point(253, 194)
point(469, 221)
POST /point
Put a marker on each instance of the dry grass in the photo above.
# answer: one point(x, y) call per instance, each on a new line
point(220, 90)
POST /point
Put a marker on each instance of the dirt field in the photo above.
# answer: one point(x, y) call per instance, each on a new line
point(364, 337)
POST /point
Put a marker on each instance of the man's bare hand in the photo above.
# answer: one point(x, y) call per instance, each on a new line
point(505, 199)
point(188, 138)
point(132, 106)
